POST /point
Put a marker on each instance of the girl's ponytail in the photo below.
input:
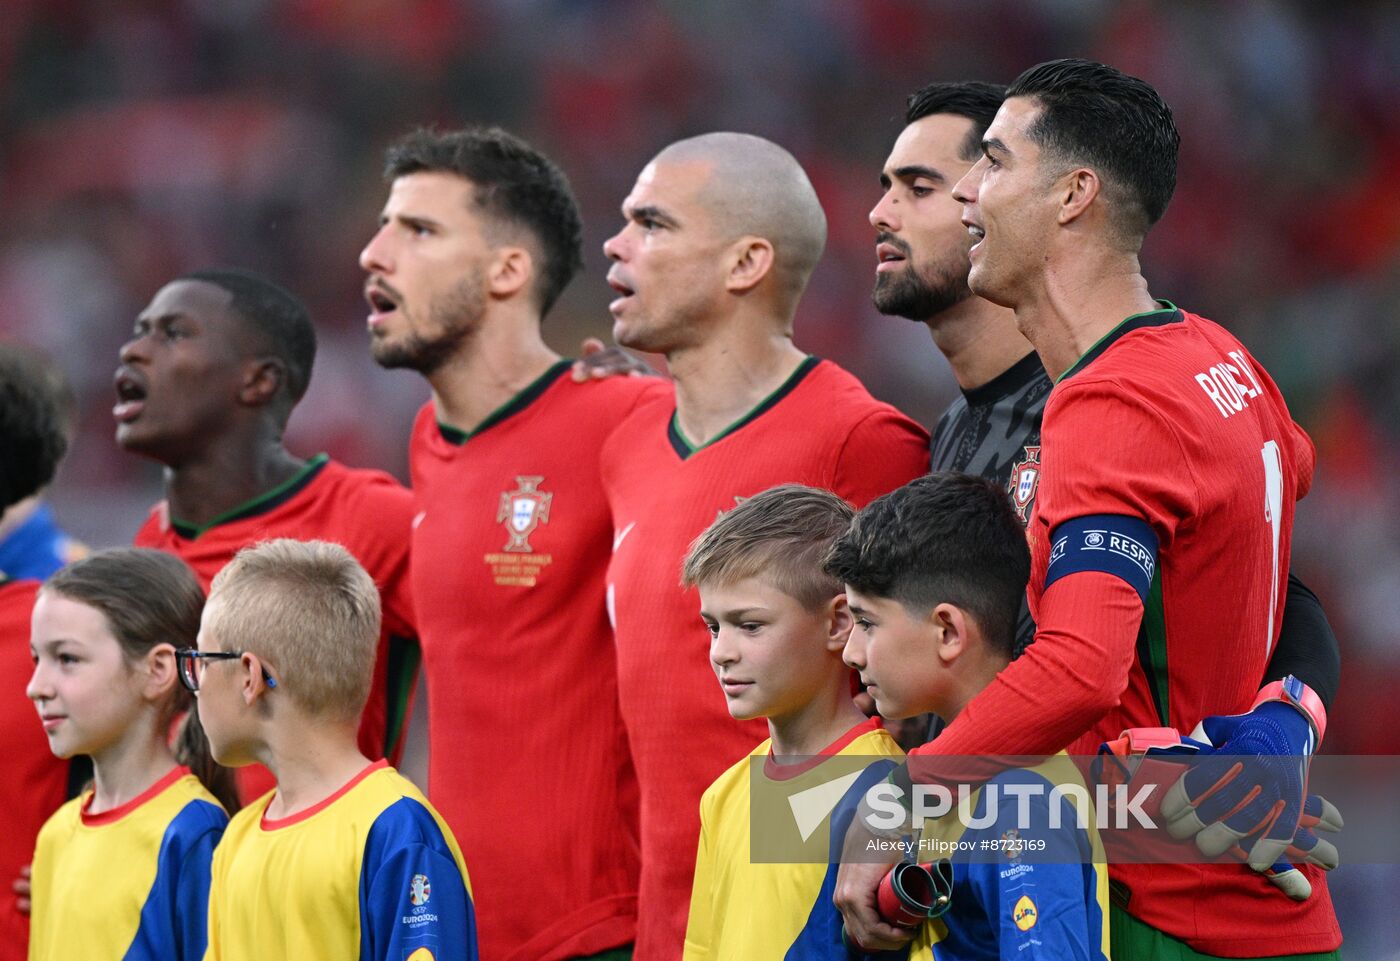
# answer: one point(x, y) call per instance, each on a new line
point(192, 750)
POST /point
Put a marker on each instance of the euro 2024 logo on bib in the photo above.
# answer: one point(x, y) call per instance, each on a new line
point(522, 510)
point(419, 890)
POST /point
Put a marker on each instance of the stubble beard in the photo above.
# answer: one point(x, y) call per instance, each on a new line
point(454, 317)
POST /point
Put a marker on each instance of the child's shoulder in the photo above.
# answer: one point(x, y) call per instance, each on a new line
point(735, 775)
point(875, 742)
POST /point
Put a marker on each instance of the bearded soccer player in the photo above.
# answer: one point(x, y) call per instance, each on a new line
point(993, 428)
point(721, 235)
point(216, 363)
point(32, 442)
point(1161, 433)
point(528, 759)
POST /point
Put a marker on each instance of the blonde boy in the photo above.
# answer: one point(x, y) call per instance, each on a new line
point(345, 858)
point(778, 624)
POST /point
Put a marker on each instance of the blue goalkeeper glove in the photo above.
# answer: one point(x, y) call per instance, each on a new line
point(1247, 793)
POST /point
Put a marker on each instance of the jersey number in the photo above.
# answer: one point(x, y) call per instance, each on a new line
point(1273, 516)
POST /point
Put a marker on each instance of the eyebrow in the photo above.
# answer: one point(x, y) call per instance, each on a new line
point(650, 212)
point(411, 220)
point(857, 609)
point(992, 143)
point(910, 171)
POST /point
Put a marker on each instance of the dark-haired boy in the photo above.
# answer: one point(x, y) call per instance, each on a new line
point(934, 574)
point(777, 625)
point(207, 382)
point(478, 238)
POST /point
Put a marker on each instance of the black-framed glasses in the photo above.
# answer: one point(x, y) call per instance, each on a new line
point(188, 660)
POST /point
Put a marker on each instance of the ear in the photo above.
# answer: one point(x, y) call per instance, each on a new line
point(753, 260)
point(954, 628)
point(160, 670)
point(839, 623)
point(263, 378)
point(254, 686)
point(1078, 189)
point(510, 272)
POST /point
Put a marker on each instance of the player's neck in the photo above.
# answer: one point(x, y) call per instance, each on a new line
point(1075, 307)
point(721, 380)
point(816, 726)
point(980, 339)
point(125, 770)
point(498, 363)
point(311, 761)
point(228, 473)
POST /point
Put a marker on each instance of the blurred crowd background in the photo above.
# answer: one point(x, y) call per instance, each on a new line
point(143, 138)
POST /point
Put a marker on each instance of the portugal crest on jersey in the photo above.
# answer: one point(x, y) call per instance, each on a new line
point(522, 510)
point(1025, 479)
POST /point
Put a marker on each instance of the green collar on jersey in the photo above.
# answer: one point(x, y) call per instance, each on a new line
point(684, 448)
point(542, 383)
point(261, 504)
point(1169, 313)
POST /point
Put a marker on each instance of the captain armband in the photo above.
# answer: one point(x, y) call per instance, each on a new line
point(1113, 544)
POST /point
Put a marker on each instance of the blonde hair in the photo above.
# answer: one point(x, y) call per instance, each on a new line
point(782, 535)
point(311, 612)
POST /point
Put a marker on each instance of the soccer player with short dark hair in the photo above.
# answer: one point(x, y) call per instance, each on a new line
point(215, 365)
point(32, 442)
point(1171, 446)
point(993, 428)
point(721, 234)
point(477, 239)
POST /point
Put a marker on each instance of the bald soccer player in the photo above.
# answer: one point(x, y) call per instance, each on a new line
point(721, 234)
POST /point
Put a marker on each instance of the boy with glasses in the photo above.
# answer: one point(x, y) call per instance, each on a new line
point(345, 858)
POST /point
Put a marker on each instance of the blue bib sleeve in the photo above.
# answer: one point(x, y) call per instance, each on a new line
point(413, 896)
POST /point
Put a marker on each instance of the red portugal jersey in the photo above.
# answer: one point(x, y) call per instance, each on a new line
point(369, 514)
point(528, 759)
point(821, 428)
point(36, 782)
point(1159, 564)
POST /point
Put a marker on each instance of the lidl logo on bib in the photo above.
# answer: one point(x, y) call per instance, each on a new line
point(1023, 914)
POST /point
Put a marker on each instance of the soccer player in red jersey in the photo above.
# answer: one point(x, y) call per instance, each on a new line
point(1160, 538)
point(32, 442)
point(528, 759)
point(993, 429)
point(216, 363)
point(722, 233)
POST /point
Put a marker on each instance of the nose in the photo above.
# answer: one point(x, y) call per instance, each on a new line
point(965, 190)
point(133, 350)
point(722, 652)
point(375, 258)
point(615, 247)
point(38, 688)
point(883, 215)
point(855, 650)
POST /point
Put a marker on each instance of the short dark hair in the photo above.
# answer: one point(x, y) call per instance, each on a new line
point(514, 183)
point(277, 317)
point(32, 435)
point(1095, 115)
point(782, 534)
point(942, 538)
point(976, 100)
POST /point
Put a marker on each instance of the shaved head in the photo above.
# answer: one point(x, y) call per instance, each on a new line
point(757, 188)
